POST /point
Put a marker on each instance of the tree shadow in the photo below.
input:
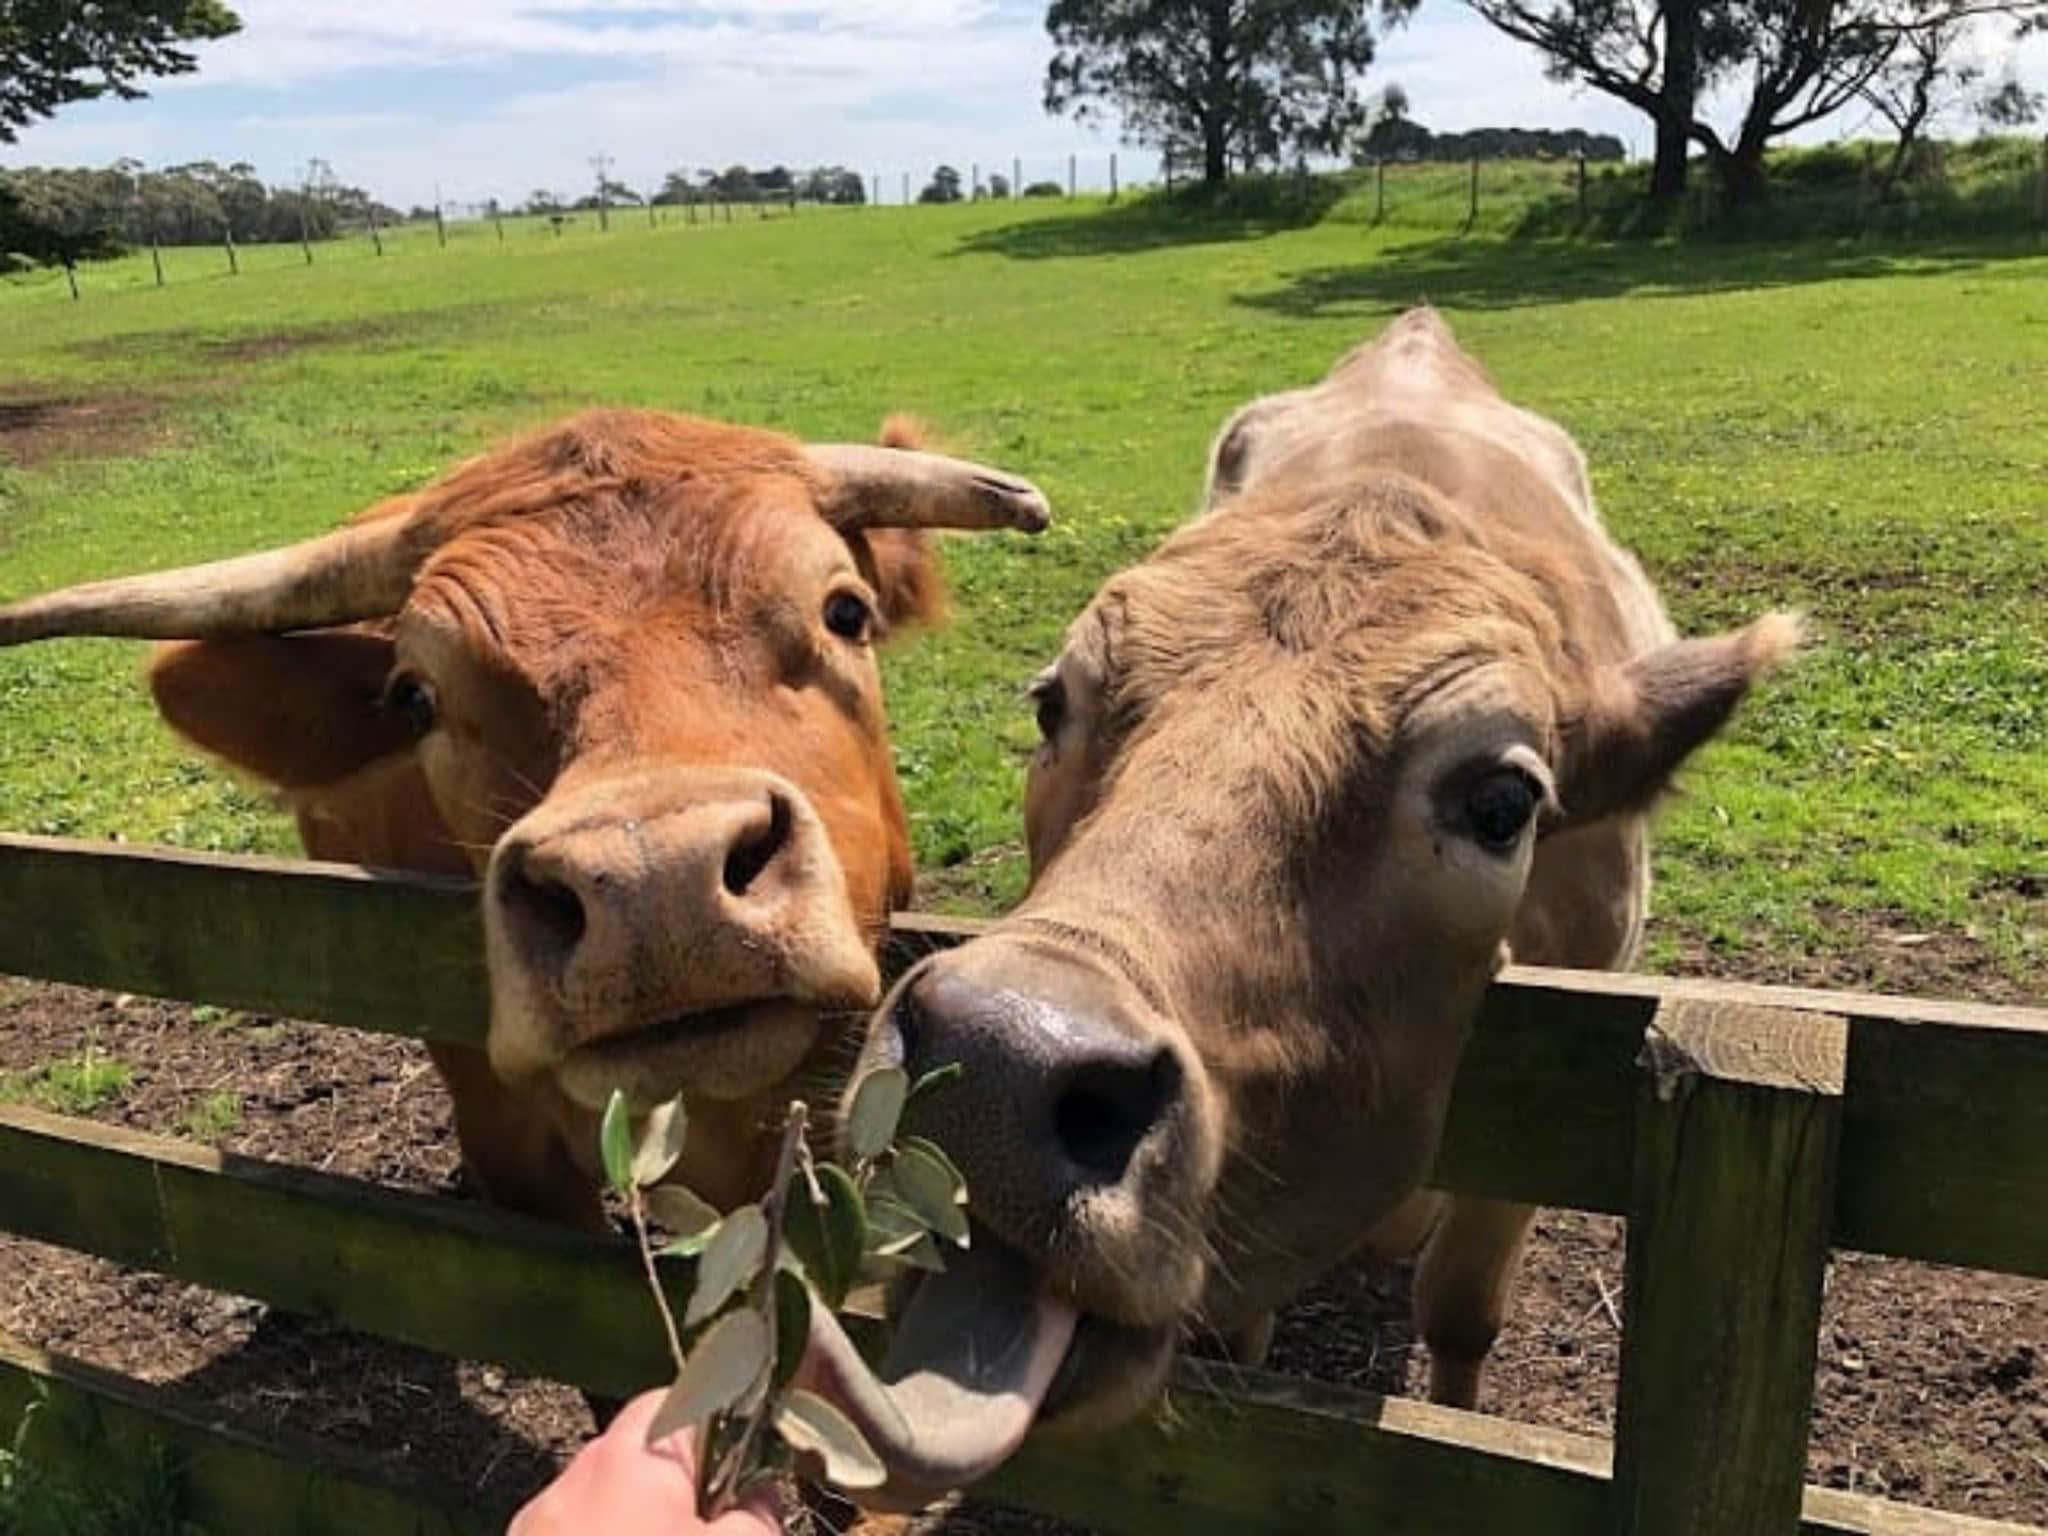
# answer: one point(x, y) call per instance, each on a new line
point(1488, 274)
point(1250, 208)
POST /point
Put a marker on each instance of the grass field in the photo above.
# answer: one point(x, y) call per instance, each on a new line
point(1859, 431)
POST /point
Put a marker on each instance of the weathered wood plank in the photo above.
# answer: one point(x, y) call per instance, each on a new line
point(77, 1418)
point(1737, 1131)
point(1238, 1450)
point(330, 942)
point(1545, 1100)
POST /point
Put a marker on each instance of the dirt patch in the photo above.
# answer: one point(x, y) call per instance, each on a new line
point(1933, 1383)
point(35, 428)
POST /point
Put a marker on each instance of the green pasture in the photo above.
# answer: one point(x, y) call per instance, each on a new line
point(1856, 430)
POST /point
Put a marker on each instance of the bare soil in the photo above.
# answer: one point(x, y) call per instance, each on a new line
point(38, 427)
point(1933, 1384)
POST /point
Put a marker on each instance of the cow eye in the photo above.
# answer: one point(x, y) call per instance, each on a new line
point(411, 699)
point(848, 616)
point(1051, 701)
point(1500, 804)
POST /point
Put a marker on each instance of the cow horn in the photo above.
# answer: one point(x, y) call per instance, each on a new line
point(902, 488)
point(362, 571)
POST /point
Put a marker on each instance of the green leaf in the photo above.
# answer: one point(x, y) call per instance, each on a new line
point(721, 1370)
point(877, 1106)
point(810, 1424)
point(892, 1225)
point(792, 1326)
point(828, 1238)
point(682, 1212)
point(936, 1079)
point(917, 1252)
point(661, 1142)
point(730, 1260)
point(615, 1139)
point(937, 1154)
point(932, 1188)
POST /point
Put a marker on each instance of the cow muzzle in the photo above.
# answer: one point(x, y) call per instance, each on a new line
point(668, 930)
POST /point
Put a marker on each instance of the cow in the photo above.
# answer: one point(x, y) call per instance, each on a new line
point(622, 671)
point(1391, 706)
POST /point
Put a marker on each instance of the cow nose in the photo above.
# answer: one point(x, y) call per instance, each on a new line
point(637, 900)
point(1068, 1106)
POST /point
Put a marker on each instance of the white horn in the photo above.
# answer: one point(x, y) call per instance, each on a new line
point(363, 571)
point(902, 488)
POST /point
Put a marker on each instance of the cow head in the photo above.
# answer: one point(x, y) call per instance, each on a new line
point(1294, 773)
point(624, 671)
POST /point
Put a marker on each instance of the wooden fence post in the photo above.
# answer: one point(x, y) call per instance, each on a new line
point(440, 227)
point(1737, 1127)
point(974, 181)
point(1016, 177)
point(376, 234)
point(906, 189)
point(498, 222)
point(156, 256)
point(71, 277)
point(876, 200)
point(1072, 183)
point(1472, 200)
point(1582, 186)
point(305, 236)
point(1379, 197)
point(227, 236)
point(2041, 186)
point(1112, 175)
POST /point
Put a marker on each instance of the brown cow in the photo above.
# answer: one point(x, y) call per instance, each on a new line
point(1393, 704)
point(622, 669)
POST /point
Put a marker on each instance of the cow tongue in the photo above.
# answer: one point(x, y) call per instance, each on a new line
point(973, 1356)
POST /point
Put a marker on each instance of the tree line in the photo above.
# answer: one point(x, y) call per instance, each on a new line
point(64, 215)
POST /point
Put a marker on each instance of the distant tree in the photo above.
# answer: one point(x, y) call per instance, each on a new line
point(60, 218)
point(1044, 189)
point(54, 52)
point(1924, 79)
point(2009, 105)
point(1790, 63)
point(1215, 81)
point(832, 184)
point(944, 187)
point(734, 184)
point(540, 201)
point(998, 185)
point(619, 192)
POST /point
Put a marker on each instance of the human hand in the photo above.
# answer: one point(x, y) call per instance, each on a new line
point(619, 1485)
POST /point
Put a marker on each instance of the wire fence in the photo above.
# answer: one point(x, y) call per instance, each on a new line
point(1832, 191)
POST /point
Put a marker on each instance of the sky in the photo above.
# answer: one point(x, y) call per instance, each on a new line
point(470, 99)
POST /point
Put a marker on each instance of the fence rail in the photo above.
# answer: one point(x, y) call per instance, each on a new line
point(1897, 1126)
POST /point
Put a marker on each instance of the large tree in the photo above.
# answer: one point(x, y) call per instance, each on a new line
point(1789, 63)
point(1227, 82)
point(53, 52)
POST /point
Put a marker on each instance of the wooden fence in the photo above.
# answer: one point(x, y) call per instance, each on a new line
point(1744, 1131)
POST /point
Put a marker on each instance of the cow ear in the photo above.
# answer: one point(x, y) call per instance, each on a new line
point(1643, 719)
point(908, 576)
point(296, 711)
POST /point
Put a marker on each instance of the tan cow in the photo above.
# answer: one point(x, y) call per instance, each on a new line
point(1392, 705)
point(623, 670)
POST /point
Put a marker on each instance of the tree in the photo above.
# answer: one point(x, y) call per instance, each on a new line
point(998, 186)
point(944, 187)
point(1224, 82)
point(53, 52)
point(2009, 104)
point(1799, 61)
point(1923, 79)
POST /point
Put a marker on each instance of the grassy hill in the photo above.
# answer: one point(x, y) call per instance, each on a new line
point(1852, 429)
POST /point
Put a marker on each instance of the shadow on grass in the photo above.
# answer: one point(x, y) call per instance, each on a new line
point(1246, 209)
point(1490, 274)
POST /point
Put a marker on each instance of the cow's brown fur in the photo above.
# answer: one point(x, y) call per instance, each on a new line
point(1249, 848)
point(622, 594)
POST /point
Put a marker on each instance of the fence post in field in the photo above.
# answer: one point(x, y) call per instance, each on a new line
point(227, 237)
point(305, 237)
point(1472, 200)
point(906, 189)
point(376, 234)
point(1112, 175)
point(728, 210)
point(1071, 181)
point(156, 257)
point(650, 213)
point(1166, 169)
point(1737, 1124)
point(2041, 186)
point(689, 207)
point(71, 277)
point(498, 222)
point(1016, 177)
point(440, 225)
point(1582, 186)
point(974, 181)
point(1379, 189)
point(876, 200)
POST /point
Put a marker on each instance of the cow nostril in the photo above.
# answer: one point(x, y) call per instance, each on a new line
point(1108, 1107)
point(756, 848)
point(545, 904)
